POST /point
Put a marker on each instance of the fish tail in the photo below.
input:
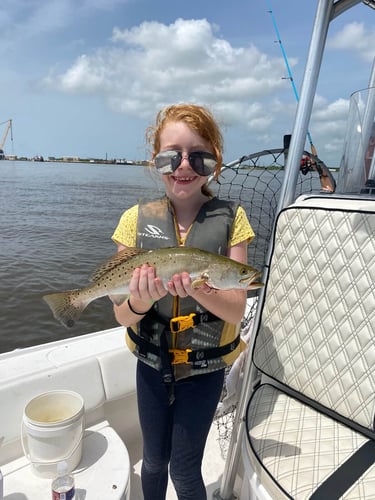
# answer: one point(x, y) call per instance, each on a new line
point(67, 306)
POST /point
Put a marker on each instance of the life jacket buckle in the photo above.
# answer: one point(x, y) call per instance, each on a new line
point(180, 356)
point(182, 323)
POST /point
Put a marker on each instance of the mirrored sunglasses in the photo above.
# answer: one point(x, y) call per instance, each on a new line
point(201, 162)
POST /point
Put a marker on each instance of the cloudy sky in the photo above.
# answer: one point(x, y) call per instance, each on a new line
point(85, 77)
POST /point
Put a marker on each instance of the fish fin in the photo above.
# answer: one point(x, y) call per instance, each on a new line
point(198, 282)
point(255, 285)
point(66, 306)
point(122, 256)
point(118, 299)
point(202, 280)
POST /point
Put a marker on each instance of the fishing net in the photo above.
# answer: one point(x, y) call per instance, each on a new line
point(255, 182)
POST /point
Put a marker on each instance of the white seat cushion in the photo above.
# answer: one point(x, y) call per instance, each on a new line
point(300, 447)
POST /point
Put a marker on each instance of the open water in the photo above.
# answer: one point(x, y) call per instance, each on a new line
point(56, 222)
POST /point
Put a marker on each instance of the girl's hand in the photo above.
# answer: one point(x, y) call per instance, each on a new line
point(180, 285)
point(145, 285)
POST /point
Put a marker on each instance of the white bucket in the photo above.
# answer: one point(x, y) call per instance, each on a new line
point(54, 425)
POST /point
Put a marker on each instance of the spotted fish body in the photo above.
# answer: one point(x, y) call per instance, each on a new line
point(113, 277)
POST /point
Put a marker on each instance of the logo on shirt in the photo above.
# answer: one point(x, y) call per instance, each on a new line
point(151, 231)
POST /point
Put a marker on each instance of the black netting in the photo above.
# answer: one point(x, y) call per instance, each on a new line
point(255, 181)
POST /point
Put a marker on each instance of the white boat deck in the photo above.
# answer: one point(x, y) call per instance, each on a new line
point(31, 371)
point(20, 482)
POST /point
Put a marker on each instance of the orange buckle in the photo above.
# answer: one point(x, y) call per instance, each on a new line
point(182, 323)
point(180, 356)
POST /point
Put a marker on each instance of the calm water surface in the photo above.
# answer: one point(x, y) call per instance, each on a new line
point(56, 222)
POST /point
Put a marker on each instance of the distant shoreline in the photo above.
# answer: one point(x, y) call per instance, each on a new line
point(140, 163)
point(70, 159)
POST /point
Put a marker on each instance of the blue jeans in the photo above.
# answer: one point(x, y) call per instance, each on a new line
point(176, 434)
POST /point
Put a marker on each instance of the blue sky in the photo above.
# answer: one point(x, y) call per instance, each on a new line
point(85, 77)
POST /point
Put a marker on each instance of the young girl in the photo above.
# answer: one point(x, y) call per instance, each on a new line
point(182, 356)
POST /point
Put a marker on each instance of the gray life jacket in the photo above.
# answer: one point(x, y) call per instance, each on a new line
point(196, 343)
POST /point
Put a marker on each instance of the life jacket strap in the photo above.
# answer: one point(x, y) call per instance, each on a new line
point(197, 357)
point(182, 323)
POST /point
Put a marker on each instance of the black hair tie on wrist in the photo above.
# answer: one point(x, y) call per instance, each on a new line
point(135, 312)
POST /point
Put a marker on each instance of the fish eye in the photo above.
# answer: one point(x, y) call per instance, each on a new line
point(243, 270)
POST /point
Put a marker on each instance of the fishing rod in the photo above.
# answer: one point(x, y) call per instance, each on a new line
point(327, 181)
point(290, 75)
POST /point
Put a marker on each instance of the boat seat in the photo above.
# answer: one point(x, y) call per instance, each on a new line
point(311, 417)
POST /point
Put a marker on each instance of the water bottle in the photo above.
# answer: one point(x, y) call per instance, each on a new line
point(63, 484)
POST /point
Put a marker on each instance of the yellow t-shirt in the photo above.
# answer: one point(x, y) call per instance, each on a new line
point(126, 231)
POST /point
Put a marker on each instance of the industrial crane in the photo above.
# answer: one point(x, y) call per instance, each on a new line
point(5, 135)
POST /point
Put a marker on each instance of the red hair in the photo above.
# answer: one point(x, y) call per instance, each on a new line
point(198, 119)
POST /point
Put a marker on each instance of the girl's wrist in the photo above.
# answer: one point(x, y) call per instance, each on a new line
point(137, 309)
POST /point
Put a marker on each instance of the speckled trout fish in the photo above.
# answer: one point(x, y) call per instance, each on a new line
point(112, 278)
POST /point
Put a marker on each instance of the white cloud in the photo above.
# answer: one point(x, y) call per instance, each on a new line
point(86, 76)
point(328, 125)
point(355, 37)
point(30, 18)
point(334, 111)
point(23, 19)
point(153, 64)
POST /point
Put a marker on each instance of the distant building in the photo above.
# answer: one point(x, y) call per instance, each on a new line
point(71, 158)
